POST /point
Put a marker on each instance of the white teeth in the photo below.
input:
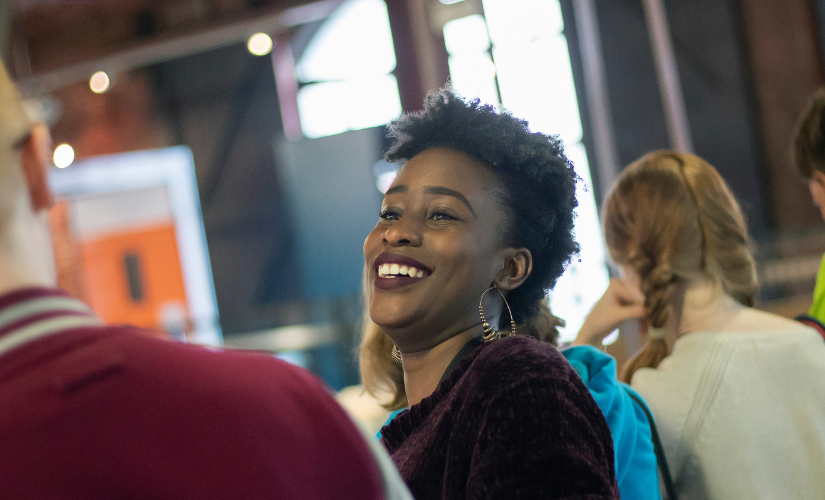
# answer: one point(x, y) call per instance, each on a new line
point(399, 270)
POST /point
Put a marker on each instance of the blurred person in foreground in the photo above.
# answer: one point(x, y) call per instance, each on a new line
point(737, 393)
point(473, 231)
point(809, 156)
point(89, 411)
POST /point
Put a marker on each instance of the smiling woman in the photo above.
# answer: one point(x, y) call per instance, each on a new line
point(482, 203)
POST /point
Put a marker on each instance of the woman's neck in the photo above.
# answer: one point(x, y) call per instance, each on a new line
point(423, 370)
point(704, 307)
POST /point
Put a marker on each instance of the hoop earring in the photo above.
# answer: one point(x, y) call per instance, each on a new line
point(396, 354)
point(489, 333)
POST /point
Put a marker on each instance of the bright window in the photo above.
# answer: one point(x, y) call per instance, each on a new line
point(472, 71)
point(516, 56)
point(346, 72)
point(330, 108)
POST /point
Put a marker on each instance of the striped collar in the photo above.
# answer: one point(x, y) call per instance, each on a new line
point(32, 313)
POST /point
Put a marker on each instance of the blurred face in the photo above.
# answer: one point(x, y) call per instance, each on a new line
point(817, 187)
point(437, 246)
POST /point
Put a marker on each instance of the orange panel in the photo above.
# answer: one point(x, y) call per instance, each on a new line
point(132, 276)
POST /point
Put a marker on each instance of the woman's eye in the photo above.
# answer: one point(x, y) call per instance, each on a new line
point(441, 216)
point(388, 215)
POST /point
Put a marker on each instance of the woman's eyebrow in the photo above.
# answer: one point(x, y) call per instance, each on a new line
point(449, 192)
point(396, 189)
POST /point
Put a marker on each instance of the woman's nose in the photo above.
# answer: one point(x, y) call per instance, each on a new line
point(403, 233)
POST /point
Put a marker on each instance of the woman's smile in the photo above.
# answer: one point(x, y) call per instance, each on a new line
point(395, 271)
point(435, 249)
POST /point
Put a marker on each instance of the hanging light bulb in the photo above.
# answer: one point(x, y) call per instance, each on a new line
point(99, 82)
point(260, 44)
point(63, 156)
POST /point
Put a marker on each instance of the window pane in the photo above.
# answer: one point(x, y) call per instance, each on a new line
point(466, 36)
point(536, 84)
point(521, 21)
point(474, 76)
point(355, 42)
point(334, 107)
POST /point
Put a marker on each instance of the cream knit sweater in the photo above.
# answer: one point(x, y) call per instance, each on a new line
point(742, 414)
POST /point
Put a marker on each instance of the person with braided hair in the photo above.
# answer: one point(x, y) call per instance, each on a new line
point(737, 393)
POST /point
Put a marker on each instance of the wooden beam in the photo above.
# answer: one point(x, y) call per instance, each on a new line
point(421, 57)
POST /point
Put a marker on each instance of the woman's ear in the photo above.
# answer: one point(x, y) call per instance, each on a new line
point(36, 150)
point(518, 264)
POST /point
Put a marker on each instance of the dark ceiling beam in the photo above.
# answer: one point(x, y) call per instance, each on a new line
point(163, 49)
point(421, 58)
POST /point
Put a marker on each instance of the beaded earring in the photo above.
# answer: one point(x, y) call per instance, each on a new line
point(489, 333)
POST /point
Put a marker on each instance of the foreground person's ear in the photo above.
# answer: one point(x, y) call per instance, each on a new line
point(36, 151)
point(518, 264)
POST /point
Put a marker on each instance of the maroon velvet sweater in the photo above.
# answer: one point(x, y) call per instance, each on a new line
point(512, 421)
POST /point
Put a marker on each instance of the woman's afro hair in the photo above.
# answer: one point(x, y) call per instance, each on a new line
point(538, 183)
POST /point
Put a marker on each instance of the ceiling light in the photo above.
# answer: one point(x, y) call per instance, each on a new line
point(63, 156)
point(99, 82)
point(259, 44)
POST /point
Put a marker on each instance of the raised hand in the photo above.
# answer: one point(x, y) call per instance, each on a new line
point(621, 301)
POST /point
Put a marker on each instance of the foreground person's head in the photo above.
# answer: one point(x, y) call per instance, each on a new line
point(671, 219)
point(24, 193)
point(809, 148)
point(481, 202)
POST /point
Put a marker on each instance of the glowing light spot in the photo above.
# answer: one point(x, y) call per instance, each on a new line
point(260, 44)
point(63, 156)
point(384, 181)
point(99, 82)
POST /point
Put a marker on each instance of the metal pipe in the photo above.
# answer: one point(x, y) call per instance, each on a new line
point(595, 84)
point(283, 65)
point(678, 127)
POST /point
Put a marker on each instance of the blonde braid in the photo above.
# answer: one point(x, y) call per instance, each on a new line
point(658, 286)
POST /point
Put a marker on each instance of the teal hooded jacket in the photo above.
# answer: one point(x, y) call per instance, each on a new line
point(636, 469)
